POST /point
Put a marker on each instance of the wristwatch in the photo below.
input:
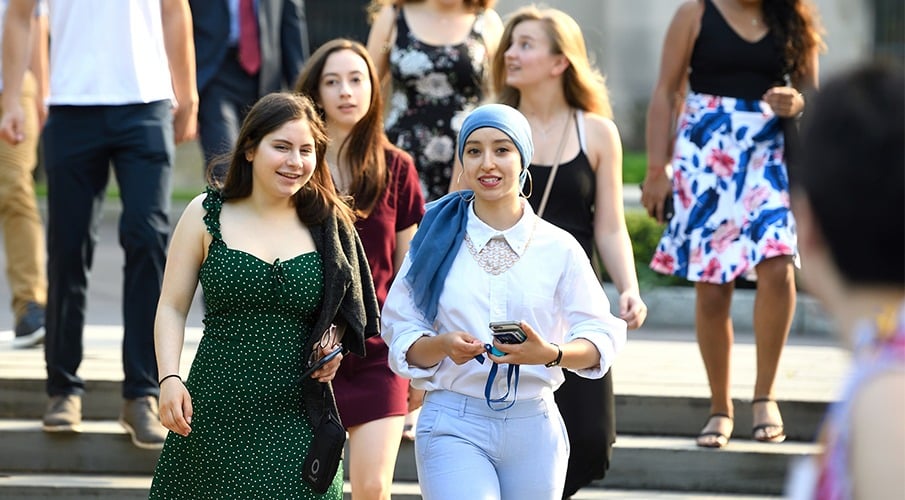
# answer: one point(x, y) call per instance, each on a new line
point(556, 361)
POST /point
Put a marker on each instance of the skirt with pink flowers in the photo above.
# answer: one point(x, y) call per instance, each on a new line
point(731, 192)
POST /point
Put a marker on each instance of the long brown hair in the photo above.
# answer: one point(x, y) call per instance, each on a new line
point(317, 199)
point(365, 145)
point(583, 85)
point(795, 27)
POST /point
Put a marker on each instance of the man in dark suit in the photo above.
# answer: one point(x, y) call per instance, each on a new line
point(227, 86)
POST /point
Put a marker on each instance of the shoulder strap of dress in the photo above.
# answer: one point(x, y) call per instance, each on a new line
point(213, 203)
point(477, 27)
point(579, 125)
point(402, 26)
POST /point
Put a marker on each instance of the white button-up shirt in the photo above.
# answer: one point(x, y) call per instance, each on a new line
point(551, 287)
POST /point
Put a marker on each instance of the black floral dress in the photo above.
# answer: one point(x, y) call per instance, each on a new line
point(434, 87)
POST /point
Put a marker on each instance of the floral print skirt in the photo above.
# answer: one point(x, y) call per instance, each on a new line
point(731, 192)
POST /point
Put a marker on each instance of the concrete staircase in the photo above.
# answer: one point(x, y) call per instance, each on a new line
point(661, 404)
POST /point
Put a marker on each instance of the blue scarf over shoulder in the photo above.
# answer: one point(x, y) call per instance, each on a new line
point(442, 230)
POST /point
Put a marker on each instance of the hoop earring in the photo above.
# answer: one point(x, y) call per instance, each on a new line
point(530, 186)
point(466, 199)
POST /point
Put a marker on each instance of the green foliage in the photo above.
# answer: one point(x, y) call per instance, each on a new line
point(634, 165)
point(645, 234)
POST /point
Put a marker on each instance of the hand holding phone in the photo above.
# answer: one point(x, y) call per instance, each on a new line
point(506, 332)
point(313, 367)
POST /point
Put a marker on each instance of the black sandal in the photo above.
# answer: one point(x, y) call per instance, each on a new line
point(721, 439)
point(765, 436)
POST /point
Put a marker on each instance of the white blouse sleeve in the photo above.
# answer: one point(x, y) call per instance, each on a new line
point(587, 312)
point(402, 323)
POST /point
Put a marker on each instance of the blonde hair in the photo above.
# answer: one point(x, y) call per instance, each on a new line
point(583, 84)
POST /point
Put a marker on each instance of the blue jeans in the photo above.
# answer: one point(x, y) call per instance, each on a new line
point(466, 450)
point(80, 144)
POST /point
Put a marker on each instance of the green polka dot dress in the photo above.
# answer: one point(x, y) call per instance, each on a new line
point(250, 431)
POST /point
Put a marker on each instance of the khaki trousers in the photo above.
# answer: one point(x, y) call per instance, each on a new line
point(23, 233)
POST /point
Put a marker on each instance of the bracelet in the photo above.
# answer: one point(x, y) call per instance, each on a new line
point(172, 375)
point(556, 361)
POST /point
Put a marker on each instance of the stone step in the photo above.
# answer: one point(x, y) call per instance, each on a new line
point(635, 414)
point(639, 462)
point(660, 381)
point(16, 486)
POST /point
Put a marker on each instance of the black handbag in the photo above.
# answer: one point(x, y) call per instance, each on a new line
point(327, 447)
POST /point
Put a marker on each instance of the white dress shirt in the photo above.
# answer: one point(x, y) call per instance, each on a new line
point(551, 287)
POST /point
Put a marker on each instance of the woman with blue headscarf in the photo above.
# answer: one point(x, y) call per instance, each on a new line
point(489, 427)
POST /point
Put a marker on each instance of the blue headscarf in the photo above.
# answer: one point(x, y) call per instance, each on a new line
point(442, 230)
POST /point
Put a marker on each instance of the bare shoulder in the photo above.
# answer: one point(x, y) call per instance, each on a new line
point(599, 126)
point(689, 10)
point(687, 19)
point(196, 206)
point(493, 24)
point(382, 24)
point(385, 16)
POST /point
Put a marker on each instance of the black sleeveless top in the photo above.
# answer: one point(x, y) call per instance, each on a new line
point(725, 64)
point(571, 202)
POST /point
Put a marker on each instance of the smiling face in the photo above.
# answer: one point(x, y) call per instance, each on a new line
point(491, 165)
point(344, 89)
point(284, 160)
point(530, 58)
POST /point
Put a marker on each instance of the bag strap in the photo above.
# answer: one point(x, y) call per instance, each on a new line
point(562, 144)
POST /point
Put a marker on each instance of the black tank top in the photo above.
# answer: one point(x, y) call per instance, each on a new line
point(725, 64)
point(571, 202)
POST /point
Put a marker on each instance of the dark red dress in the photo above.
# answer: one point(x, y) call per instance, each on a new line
point(365, 388)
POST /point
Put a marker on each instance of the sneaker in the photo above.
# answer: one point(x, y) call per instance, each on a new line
point(30, 327)
point(142, 421)
point(64, 414)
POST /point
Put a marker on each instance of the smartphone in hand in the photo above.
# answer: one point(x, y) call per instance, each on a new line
point(321, 361)
point(508, 332)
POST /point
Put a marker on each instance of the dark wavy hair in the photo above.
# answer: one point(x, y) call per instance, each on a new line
point(317, 200)
point(365, 145)
point(796, 28)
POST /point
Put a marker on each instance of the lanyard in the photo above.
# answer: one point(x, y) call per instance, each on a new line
point(510, 370)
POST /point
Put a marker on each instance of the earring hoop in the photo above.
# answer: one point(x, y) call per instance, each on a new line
point(466, 199)
point(530, 186)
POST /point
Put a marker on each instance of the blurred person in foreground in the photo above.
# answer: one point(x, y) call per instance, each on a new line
point(848, 195)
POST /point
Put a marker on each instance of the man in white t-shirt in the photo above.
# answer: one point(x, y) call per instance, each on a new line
point(122, 92)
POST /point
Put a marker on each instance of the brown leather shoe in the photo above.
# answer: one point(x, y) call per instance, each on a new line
point(141, 420)
point(63, 414)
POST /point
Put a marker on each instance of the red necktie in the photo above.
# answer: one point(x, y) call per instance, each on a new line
point(249, 45)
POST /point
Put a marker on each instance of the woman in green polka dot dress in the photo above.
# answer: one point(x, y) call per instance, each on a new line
point(279, 262)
